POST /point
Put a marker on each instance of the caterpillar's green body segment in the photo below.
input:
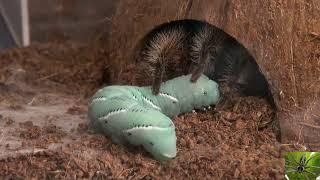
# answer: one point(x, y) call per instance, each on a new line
point(130, 114)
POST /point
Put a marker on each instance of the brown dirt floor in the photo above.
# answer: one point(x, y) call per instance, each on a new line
point(44, 130)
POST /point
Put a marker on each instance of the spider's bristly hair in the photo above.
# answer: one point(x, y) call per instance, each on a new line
point(205, 46)
point(159, 51)
point(236, 67)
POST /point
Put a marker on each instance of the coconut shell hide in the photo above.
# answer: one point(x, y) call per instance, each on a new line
point(282, 35)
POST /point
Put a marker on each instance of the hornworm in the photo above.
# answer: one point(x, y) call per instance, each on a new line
point(133, 114)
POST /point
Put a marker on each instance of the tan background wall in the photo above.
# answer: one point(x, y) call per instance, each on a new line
point(68, 19)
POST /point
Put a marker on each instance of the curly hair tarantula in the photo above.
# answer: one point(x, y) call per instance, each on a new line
point(189, 46)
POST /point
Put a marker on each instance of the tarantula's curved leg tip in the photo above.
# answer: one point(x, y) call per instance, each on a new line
point(155, 91)
point(193, 79)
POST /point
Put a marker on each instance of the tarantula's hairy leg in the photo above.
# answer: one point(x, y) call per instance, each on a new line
point(205, 46)
point(159, 52)
point(199, 69)
point(157, 78)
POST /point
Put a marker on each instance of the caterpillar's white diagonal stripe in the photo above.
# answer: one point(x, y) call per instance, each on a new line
point(168, 96)
point(106, 117)
point(98, 99)
point(151, 103)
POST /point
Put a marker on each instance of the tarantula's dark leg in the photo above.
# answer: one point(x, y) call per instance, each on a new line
point(159, 52)
point(199, 69)
point(205, 45)
point(157, 79)
point(197, 72)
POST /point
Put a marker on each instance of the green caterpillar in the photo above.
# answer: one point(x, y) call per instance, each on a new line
point(130, 114)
